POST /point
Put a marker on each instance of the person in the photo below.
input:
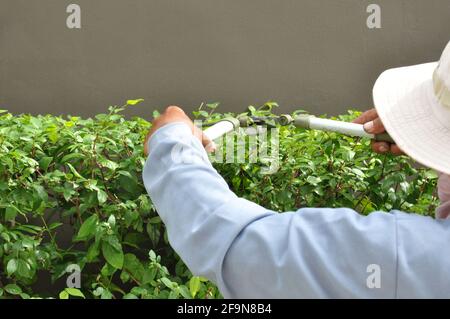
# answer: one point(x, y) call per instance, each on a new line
point(252, 252)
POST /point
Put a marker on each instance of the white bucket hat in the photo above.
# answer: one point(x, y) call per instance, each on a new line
point(414, 105)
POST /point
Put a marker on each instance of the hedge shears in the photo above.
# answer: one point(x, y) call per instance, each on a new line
point(305, 121)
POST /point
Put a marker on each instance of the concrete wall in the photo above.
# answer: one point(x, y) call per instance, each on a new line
point(316, 55)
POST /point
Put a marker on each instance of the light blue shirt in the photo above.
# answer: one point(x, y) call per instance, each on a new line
point(252, 252)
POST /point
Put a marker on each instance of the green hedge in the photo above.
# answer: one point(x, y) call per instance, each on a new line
point(71, 193)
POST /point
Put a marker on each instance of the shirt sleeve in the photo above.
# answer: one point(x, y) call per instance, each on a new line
point(252, 252)
point(202, 215)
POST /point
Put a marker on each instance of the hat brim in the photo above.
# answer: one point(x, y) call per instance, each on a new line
point(411, 113)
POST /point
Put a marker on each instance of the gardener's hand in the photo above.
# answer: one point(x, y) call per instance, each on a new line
point(174, 114)
point(373, 125)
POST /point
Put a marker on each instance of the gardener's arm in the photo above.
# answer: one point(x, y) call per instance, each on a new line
point(252, 252)
point(203, 217)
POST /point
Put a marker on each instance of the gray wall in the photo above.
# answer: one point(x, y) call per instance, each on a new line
point(316, 55)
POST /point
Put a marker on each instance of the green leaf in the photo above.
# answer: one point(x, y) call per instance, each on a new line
point(6, 237)
point(11, 267)
point(13, 289)
point(114, 242)
point(3, 185)
point(24, 295)
point(112, 255)
point(152, 255)
point(108, 164)
point(131, 215)
point(106, 294)
point(313, 180)
point(194, 286)
point(72, 156)
point(24, 269)
point(431, 174)
point(112, 221)
point(44, 163)
point(349, 155)
point(154, 233)
point(134, 239)
point(173, 294)
point(124, 277)
point(88, 228)
point(11, 212)
point(212, 106)
point(93, 251)
point(167, 282)
point(40, 192)
point(404, 186)
point(125, 173)
point(75, 292)
point(134, 102)
point(107, 270)
point(98, 291)
point(63, 295)
point(155, 220)
point(134, 266)
point(149, 275)
point(68, 193)
point(185, 292)
point(101, 196)
point(74, 172)
point(139, 291)
point(55, 225)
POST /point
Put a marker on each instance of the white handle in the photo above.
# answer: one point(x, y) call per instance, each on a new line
point(346, 128)
point(218, 130)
